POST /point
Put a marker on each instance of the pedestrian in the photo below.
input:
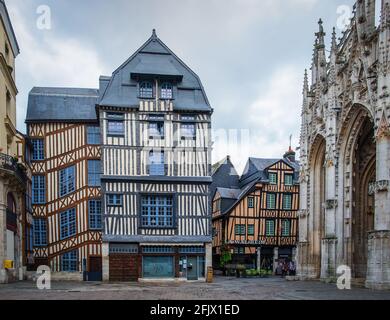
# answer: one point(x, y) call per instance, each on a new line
point(291, 268)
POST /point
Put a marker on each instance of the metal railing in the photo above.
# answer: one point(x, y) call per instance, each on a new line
point(11, 164)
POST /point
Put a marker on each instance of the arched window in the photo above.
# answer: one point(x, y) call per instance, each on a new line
point(146, 89)
point(166, 90)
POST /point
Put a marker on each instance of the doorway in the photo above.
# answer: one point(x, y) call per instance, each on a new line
point(95, 272)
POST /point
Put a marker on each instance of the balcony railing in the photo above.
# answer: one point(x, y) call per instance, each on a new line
point(10, 164)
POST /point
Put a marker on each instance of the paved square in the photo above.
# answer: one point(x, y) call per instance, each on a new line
point(222, 289)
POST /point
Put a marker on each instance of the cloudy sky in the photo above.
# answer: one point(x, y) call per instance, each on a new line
point(249, 54)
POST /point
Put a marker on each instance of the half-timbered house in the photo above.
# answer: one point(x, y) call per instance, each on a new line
point(155, 120)
point(64, 131)
point(256, 219)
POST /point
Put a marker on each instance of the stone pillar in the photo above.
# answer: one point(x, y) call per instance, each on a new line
point(276, 258)
point(209, 256)
point(258, 258)
point(378, 267)
point(106, 261)
point(3, 235)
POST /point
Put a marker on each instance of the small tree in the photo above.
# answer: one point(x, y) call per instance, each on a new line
point(226, 257)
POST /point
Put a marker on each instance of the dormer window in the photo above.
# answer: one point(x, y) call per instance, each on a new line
point(146, 90)
point(166, 90)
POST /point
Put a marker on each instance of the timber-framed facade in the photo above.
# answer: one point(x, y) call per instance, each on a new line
point(257, 220)
point(66, 192)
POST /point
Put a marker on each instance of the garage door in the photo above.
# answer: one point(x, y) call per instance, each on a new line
point(158, 267)
point(123, 267)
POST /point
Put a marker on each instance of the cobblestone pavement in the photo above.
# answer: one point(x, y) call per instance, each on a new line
point(221, 289)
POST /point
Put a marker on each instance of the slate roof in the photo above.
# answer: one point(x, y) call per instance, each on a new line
point(229, 193)
point(155, 59)
point(62, 104)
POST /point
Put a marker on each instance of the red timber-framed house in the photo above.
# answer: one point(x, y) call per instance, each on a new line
point(64, 131)
point(256, 219)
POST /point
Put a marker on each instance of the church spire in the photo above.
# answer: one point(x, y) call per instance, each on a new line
point(334, 40)
point(305, 84)
point(321, 35)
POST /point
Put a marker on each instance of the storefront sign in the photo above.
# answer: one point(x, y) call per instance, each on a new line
point(247, 242)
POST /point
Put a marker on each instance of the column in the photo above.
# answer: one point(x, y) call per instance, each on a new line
point(378, 268)
point(106, 261)
point(258, 258)
point(3, 236)
point(209, 257)
point(276, 258)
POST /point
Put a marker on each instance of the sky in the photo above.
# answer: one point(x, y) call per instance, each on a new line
point(250, 56)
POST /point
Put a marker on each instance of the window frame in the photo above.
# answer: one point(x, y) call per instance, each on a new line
point(91, 136)
point(160, 211)
point(251, 202)
point(251, 227)
point(67, 181)
point(71, 259)
point(267, 234)
point(39, 232)
point(39, 189)
point(286, 196)
point(94, 178)
point(290, 175)
point(164, 91)
point(95, 215)
point(69, 223)
point(269, 194)
point(157, 167)
point(114, 203)
point(142, 92)
point(115, 117)
point(273, 182)
point(240, 229)
point(283, 234)
point(158, 121)
point(38, 154)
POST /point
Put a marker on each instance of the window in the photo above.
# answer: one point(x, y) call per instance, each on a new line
point(288, 179)
point(273, 178)
point(93, 135)
point(286, 228)
point(146, 90)
point(68, 223)
point(156, 163)
point(251, 202)
point(271, 201)
point(67, 181)
point(240, 230)
point(156, 126)
point(114, 200)
point(94, 173)
point(287, 202)
point(166, 91)
point(157, 211)
point(69, 261)
point(270, 228)
point(188, 130)
point(38, 190)
point(40, 236)
point(116, 124)
point(239, 250)
point(38, 149)
point(251, 229)
point(95, 214)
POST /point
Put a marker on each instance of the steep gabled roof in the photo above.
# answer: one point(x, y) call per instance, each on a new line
point(226, 193)
point(8, 28)
point(154, 58)
point(62, 104)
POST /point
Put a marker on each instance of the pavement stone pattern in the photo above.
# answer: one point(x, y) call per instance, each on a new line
point(223, 288)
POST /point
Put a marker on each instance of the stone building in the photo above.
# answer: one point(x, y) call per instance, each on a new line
point(345, 153)
point(14, 178)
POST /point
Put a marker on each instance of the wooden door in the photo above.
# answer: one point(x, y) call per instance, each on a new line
point(124, 267)
point(95, 272)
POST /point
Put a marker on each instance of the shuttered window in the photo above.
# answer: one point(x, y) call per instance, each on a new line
point(273, 178)
point(270, 228)
point(251, 230)
point(240, 230)
point(288, 179)
point(251, 202)
point(286, 228)
point(287, 202)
